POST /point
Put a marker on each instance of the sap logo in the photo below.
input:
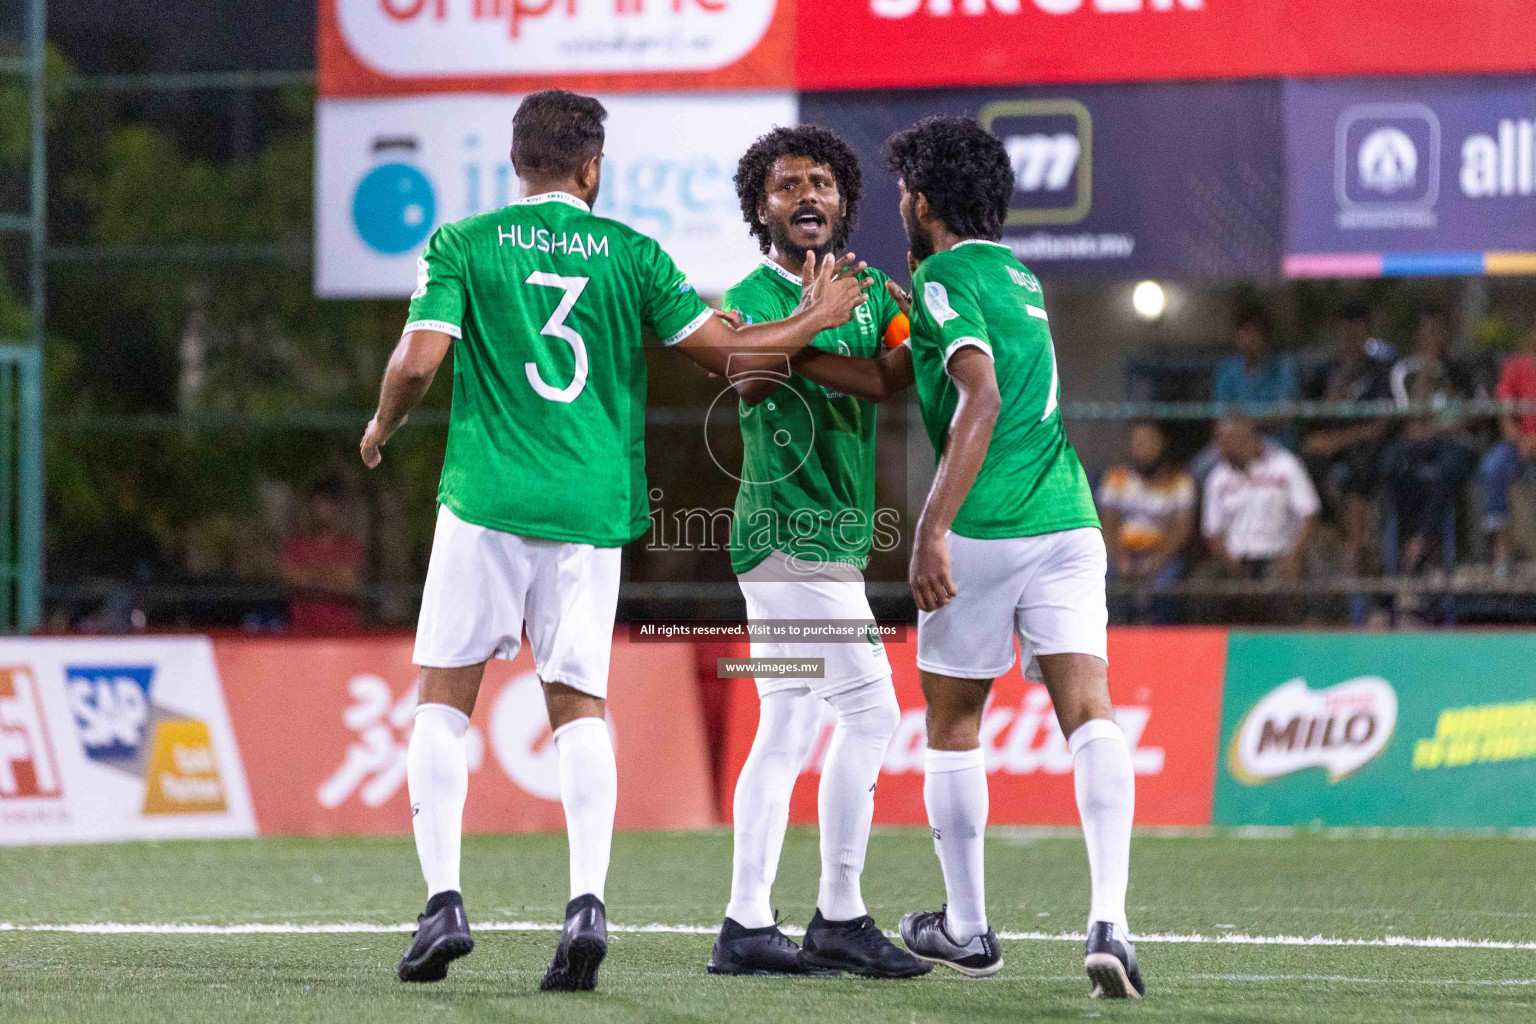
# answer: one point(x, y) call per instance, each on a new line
point(26, 764)
point(111, 708)
point(1387, 166)
point(948, 8)
point(1050, 145)
point(1502, 164)
point(502, 38)
point(1340, 728)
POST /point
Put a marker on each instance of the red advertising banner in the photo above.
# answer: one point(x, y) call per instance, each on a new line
point(1166, 686)
point(866, 44)
point(323, 726)
point(412, 47)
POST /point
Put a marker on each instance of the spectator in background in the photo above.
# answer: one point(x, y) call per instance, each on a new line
point(323, 565)
point(1257, 373)
point(1514, 457)
point(1259, 511)
point(1148, 512)
point(1427, 466)
point(1343, 454)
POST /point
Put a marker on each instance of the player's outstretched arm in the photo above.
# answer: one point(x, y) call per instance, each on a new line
point(406, 379)
point(970, 431)
point(873, 380)
point(830, 292)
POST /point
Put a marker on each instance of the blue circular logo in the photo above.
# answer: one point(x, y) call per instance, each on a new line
point(394, 208)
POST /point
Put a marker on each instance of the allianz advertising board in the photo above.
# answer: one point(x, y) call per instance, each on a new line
point(1172, 179)
point(1406, 176)
point(1402, 729)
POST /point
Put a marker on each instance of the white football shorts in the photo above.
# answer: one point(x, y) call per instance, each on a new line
point(484, 586)
point(1048, 589)
point(774, 590)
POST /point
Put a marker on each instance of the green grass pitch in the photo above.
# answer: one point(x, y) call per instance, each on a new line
point(1398, 888)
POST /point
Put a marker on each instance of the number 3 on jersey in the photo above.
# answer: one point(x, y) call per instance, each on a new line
point(555, 327)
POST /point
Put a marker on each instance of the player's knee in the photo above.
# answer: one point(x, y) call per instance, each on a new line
point(872, 709)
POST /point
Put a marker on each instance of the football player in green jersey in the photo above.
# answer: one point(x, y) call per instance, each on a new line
point(805, 514)
point(1008, 542)
point(543, 480)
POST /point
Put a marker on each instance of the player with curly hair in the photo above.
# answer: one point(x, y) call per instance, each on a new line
point(1008, 542)
point(800, 539)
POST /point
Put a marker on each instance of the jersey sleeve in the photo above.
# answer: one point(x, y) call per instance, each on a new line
point(437, 304)
point(950, 313)
point(1303, 496)
point(668, 302)
point(1212, 523)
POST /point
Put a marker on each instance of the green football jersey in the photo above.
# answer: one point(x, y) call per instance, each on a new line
point(808, 453)
point(545, 302)
point(1031, 481)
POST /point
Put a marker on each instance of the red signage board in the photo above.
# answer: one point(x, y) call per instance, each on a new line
point(864, 44)
point(323, 727)
point(1166, 686)
point(414, 47)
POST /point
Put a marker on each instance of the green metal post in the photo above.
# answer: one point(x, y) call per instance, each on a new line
point(29, 582)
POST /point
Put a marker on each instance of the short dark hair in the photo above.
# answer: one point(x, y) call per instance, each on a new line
point(962, 169)
point(554, 132)
point(814, 143)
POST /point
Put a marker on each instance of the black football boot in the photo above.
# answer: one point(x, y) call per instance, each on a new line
point(583, 944)
point(926, 936)
point(441, 937)
point(1111, 963)
point(857, 947)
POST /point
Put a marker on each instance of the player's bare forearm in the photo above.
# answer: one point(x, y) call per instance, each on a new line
point(407, 378)
point(970, 432)
point(873, 380)
point(830, 291)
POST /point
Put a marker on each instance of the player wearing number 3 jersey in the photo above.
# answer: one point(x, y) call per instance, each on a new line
point(544, 305)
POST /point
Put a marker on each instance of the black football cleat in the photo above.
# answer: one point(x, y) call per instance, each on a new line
point(926, 936)
point(1111, 963)
point(766, 950)
point(441, 937)
point(745, 951)
point(857, 947)
point(583, 944)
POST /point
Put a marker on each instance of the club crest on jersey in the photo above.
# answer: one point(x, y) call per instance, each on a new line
point(936, 298)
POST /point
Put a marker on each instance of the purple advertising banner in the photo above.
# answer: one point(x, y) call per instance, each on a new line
point(1176, 180)
point(1410, 176)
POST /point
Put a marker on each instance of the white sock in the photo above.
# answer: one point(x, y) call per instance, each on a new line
point(955, 790)
point(1106, 801)
point(589, 790)
point(437, 776)
point(867, 718)
point(786, 730)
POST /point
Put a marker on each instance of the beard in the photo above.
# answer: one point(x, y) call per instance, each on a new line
point(918, 240)
point(778, 237)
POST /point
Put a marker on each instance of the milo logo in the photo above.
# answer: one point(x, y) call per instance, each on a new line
point(1340, 728)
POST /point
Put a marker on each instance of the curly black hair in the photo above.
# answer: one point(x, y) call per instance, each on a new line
point(814, 143)
point(962, 169)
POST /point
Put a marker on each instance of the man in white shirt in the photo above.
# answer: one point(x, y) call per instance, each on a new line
point(1260, 507)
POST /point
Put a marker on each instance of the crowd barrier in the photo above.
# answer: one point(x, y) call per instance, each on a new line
point(177, 737)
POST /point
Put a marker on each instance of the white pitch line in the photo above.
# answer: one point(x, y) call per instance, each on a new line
point(358, 928)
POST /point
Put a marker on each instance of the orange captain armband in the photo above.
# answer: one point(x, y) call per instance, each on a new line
point(897, 331)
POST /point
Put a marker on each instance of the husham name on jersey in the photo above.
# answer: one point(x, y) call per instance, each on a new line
point(543, 240)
